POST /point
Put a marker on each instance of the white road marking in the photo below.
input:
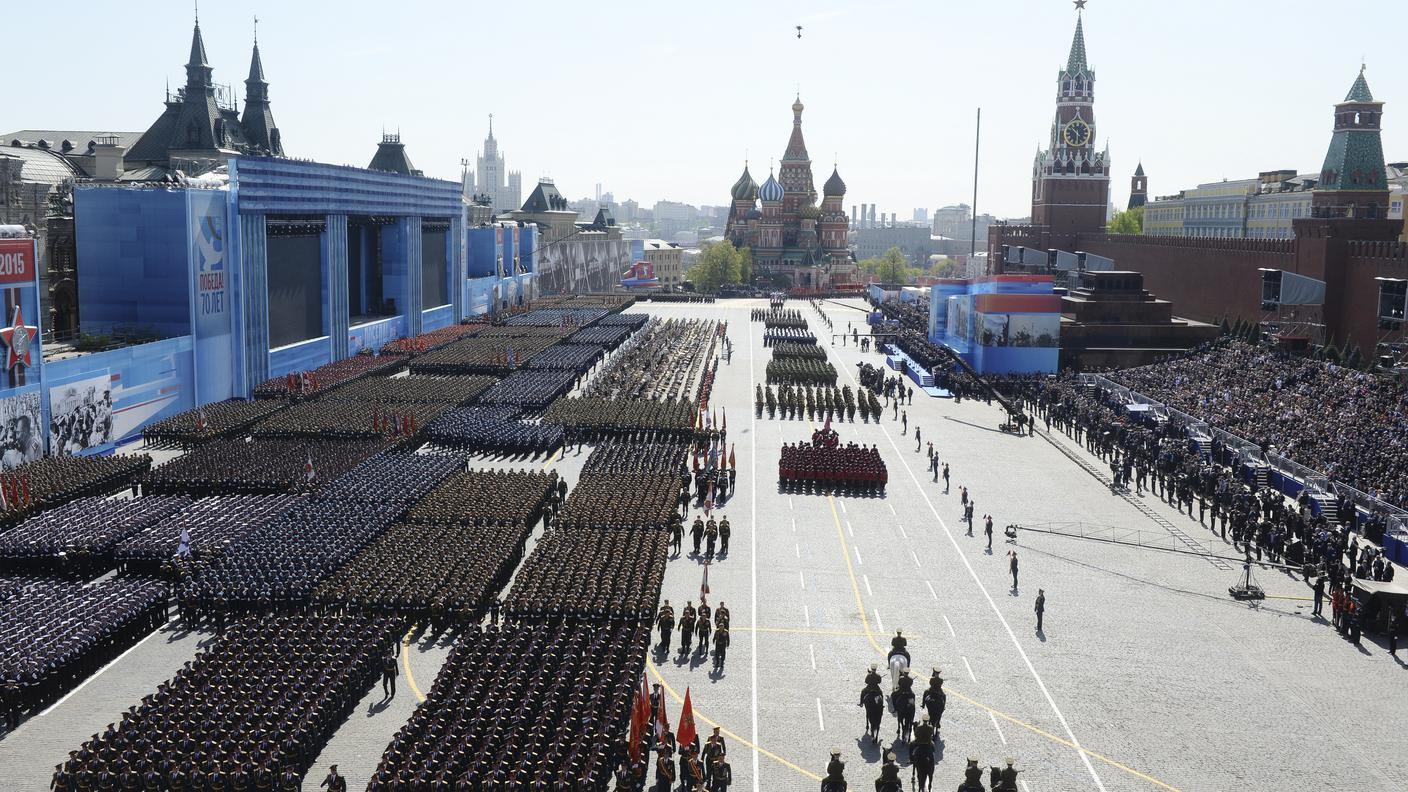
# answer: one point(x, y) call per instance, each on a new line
point(811, 649)
point(879, 623)
point(789, 501)
point(892, 508)
point(849, 532)
point(794, 525)
point(802, 580)
point(1025, 788)
point(932, 593)
point(843, 506)
point(797, 549)
point(806, 615)
point(99, 673)
point(1050, 700)
point(915, 556)
point(753, 553)
point(822, 724)
point(857, 549)
point(902, 533)
point(867, 585)
point(971, 675)
point(1000, 735)
point(951, 633)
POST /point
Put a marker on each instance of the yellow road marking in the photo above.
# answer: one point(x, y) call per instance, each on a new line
point(860, 606)
point(808, 631)
point(406, 663)
point(736, 738)
point(562, 454)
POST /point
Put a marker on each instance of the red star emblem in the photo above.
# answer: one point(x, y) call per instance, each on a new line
point(18, 338)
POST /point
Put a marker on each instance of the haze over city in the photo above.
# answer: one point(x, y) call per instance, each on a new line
point(664, 101)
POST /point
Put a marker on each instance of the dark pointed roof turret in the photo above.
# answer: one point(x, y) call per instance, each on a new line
point(834, 185)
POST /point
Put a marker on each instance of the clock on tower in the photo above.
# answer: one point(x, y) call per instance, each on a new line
point(1077, 133)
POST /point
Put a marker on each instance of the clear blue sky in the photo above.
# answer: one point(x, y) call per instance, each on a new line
point(662, 100)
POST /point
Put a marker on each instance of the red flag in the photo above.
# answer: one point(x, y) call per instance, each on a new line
point(662, 720)
point(637, 727)
point(24, 490)
point(725, 411)
point(686, 734)
point(308, 472)
point(732, 463)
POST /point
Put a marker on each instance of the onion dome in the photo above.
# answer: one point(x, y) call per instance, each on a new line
point(745, 189)
point(771, 191)
point(809, 213)
point(834, 185)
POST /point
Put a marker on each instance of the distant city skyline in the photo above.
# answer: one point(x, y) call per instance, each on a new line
point(1196, 96)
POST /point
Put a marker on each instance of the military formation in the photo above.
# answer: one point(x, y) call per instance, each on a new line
point(798, 402)
point(80, 536)
point(307, 384)
point(495, 429)
point(824, 465)
point(266, 465)
point(251, 711)
point(489, 497)
point(666, 360)
point(531, 389)
point(52, 481)
point(222, 419)
point(590, 418)
point(383, 390)
point(199, 530)
point(55, 633)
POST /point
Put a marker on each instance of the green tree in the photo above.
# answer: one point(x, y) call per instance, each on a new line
point(745, 265)
point(945, 268)
point(891, 267)
point(718, 263)
point(1130, 221)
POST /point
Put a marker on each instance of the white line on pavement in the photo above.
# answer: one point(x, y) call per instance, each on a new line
point(915, 556)
point(843, 506)
point(806, 615)
point(951, 633)
point(85, 682)
point(1050, 700)
point(857, 549)
point(794, 525)
point(867, 585)
point(932, 593)
point(789, 501)
point(819, 722)
point(797, 549)
point(811, 649)
point(1025, 788)
point(892, 508)
point(902, 533)
point(753, 612)
point(802, 580)
point(849, 532)
point(879, 623)
point(1000, 735)
point(971, 675)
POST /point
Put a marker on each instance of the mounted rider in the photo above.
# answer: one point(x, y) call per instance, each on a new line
point(889, 780)
point(835, 780)
point(1005, 779)
point(935, 699)
point(899, 645)
point(923, 736)
point(872, 677)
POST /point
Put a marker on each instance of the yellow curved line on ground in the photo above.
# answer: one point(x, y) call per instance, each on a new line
point(860, 606)
point(406, 663)
point(732, 736)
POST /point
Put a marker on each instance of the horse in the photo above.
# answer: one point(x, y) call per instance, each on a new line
point(903, 703)
point(921, 760)
point(874, 703)
point(898, 664)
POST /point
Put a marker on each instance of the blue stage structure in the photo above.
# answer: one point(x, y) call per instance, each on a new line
point(286, 266)
point(1000, 324)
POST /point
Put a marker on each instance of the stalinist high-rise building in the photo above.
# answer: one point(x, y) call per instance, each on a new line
point(503, 187)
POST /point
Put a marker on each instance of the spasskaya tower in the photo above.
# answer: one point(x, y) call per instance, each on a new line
point(1070, 179)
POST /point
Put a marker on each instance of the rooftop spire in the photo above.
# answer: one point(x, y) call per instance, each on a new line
point(1359, 92)
point(796, 146)
point(197, 48)
point(1076, 62)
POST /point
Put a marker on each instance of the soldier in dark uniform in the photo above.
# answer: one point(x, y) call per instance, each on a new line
point(664, 770)
point(12, 702)
point(721, 616)
point(872, 677)
point(687, 617)
point(725, 531)
point(666, 622)
point(334, 782)
point(702, 627)
point(711, 537)
point(1005, 778)
point(972, 777)
point(696, 532)
point(388, 675)
point(923, 733)
point(889, 780)
point(676, 534)
point(935, 699)
point(835, 780)
point(720, 775)
point(714, 748)
point(720, 647)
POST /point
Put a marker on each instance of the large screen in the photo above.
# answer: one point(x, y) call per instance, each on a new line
point(295, 289)
point(434, 270)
